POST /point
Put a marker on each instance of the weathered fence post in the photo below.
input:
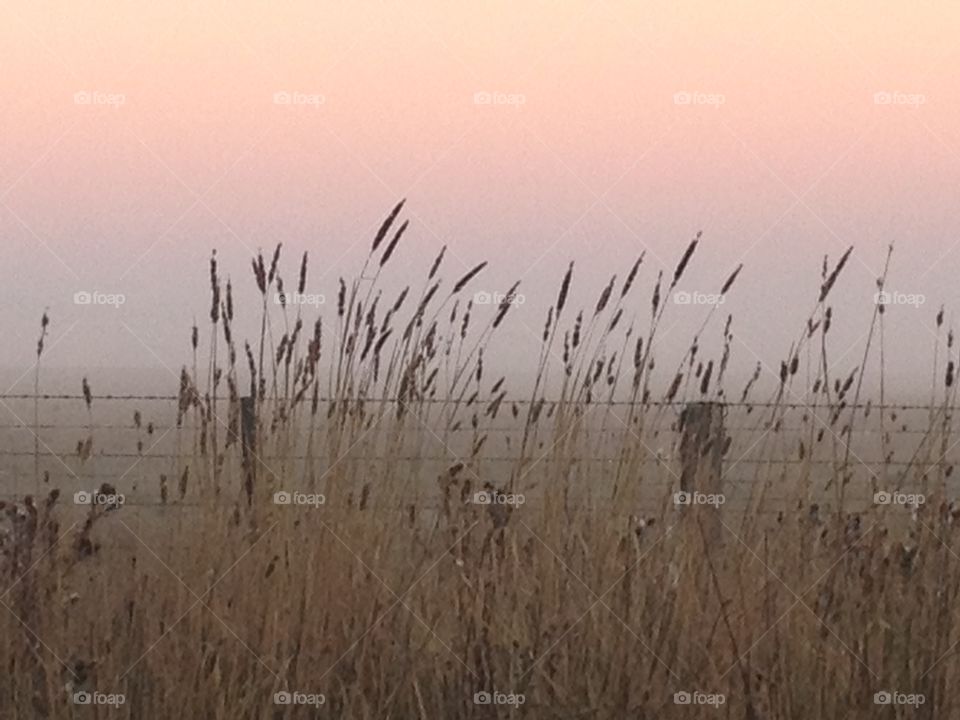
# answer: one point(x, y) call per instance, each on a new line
point(702, 447)
point(248, 434)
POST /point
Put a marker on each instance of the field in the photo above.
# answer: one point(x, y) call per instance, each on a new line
point(347, 517)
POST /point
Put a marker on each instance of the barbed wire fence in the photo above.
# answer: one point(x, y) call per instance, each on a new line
point(134, 453)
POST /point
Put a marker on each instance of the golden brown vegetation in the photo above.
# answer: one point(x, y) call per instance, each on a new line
point(396, 595)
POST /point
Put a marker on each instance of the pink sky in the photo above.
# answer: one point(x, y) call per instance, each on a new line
point(778, 145)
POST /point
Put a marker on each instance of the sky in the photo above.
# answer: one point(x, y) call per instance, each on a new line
point(137, 137)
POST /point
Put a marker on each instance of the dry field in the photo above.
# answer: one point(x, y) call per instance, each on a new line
point(347, 518)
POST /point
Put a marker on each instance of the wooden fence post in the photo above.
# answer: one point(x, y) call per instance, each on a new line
point(248, 434)
point(702, 447)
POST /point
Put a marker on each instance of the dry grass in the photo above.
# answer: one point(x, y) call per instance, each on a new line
point(401, 598)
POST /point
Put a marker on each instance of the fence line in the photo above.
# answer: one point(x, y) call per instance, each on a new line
point(156, 428)
point(155, 463)
point(506, 401)
point(452, 458)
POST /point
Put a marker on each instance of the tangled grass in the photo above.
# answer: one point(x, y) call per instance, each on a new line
point(331, 567)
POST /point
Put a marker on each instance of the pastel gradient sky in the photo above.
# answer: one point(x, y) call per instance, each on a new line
point(135, 137)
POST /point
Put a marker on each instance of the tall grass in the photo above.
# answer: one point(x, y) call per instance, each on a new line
point(398, 595)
